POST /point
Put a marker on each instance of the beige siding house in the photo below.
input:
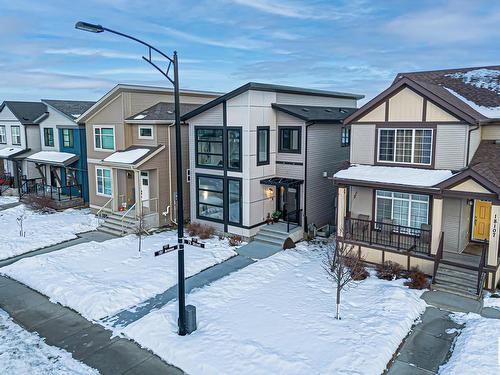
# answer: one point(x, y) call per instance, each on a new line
point(131, 159)
point(424, 182)
point(256, 151)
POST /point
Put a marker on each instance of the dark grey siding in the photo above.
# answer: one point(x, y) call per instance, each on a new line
point(324, 154)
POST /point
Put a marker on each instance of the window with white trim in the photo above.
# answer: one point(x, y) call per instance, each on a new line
point(146, 132)
point(409, 210)
point(104, 138)
point(405, 146)
point(16, 135)
point(3, 134)
point(104, 182)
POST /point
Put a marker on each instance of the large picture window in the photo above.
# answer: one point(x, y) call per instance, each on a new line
point(406, 146)
point(262, 145)
point(16, 135)
point(67, 137)
point(410, 210)
point(209, 147)
point(210, 198)
point(104, 138)
point(234, 148)
point(48, 137)
point(103, 182)
point(3, 134)
point(289, 140)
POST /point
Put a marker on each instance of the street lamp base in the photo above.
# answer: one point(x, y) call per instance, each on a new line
point(190, 319)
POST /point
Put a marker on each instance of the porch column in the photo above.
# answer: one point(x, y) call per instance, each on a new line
point(492, 256)
point(437, 223)
point(138, 198)
point(341, 210)
point(114, 188)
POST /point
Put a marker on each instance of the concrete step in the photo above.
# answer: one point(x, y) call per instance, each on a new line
point(117, 227)
point(446, 279)
point(118, 221)
point(110, 231)
point(271, 239)
point(451, 268)
point(279, 236)
point(463, 276)
point(265, 242)
point(269, 230)
point(458, 287)
point(118, 217)
point(459, 292)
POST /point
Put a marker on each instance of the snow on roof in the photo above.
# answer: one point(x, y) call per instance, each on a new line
point(9, 151)
point(491, 112)
point(127, 157)
point(51, 156)
point(482, 78)
point(394, 175)
point(139, 117)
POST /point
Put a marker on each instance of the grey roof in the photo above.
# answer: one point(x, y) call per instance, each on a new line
point(162, 111)
point(71, 108)
point(272, 88)
point(26, 112)
point(315, 113)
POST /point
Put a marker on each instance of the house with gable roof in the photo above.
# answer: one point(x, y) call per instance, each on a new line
point(423, 186)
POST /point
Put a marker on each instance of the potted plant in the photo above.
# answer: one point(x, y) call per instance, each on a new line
point(269, 220)
point(276, 216)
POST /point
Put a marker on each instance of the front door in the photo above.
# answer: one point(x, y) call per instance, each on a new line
point(482, 218)
point(145, 189)
point(288, 203)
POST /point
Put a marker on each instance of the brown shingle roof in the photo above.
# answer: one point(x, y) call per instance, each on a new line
point(486, 161)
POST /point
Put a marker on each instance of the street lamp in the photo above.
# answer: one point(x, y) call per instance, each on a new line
point(178, 148)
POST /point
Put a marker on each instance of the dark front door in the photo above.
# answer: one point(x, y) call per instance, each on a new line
point(288, 203)
point(53, 179)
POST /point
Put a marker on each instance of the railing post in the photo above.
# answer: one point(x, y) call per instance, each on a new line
point(399, 237)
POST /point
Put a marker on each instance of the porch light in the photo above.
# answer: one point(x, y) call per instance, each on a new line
point(270, 193)
point(89, 27)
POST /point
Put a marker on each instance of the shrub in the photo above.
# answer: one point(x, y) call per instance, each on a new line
point(358, 271)
point(389, 270)
point(39, 203)
point(202, 231)
point(418, 280)
point(235, 240)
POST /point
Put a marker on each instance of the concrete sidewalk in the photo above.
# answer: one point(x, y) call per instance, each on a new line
point(9, 205)
point(89, 343)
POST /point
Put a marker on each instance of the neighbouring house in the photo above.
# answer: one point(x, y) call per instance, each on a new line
point(19, 138)
point(61, 162)
point(262, 149)
point(423, 188)
point(130, 136)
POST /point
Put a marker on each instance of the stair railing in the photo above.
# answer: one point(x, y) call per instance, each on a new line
point(480, 273)
point(100, 213)
point(125, 215)
point(439, 256)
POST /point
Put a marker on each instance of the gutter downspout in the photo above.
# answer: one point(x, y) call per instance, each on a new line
point(468, 143)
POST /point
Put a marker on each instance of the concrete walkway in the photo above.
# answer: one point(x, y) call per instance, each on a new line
point(81, 238)
point(247, 254)
point(87, 342)
point(9, 205)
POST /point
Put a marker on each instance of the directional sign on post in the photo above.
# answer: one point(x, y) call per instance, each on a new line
point(166, 249)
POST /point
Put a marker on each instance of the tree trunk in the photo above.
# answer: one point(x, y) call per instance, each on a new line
point(338, 301)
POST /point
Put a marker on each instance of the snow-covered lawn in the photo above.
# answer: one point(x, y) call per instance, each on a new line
point(477, 347)
point(101, 279)
point(492, 301)
point(41, 230)
point(7, 199)
point(22, 352)
point(277, 316)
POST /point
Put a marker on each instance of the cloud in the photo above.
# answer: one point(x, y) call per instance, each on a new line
point(77, 51)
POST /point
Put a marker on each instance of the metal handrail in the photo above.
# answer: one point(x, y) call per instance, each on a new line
point(124, 215)
point(98, 214)
point(439, 256)
point(296, 212)
point(480, 277)
point(155, 200)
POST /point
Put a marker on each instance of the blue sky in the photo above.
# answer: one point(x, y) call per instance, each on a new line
point(353, 45)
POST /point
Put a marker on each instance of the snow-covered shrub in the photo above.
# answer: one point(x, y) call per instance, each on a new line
point(389, 270)
point(201, 231)
point(235, 240)
point(417, 280)
point(39, 203)
point(358, 270)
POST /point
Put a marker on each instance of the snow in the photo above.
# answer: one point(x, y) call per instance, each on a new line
point(277, 316)
point(76, 115)
point(9, 151)
point(51, 156)
point(22, 352)
point(482, 78)
point(101, 279)
point(41, 229)
point(394, 175)
point(491, 112)
point(139, 117)
point(477, 348)
point(127, 157)
point(7, 199)
point(490, 301)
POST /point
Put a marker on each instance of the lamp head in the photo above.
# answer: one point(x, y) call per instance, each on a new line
point(89, 27)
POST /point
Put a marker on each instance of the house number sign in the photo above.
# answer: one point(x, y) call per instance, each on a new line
point(494, 230)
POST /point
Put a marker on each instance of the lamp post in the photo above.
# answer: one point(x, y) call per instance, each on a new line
point(172, 62)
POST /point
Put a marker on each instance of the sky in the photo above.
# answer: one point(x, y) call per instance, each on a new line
point(353, 46)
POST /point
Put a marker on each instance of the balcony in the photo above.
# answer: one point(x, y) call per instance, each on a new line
point(61, 196)
point(387, 235)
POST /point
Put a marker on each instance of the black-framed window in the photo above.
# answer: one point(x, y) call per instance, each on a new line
point(262, 145)
point(209, 147)
point(48, 137)
point(345, 137)
point(234, 149)
point(289, 139)
point(235, 203)
point(210, 197)
point(67, 137)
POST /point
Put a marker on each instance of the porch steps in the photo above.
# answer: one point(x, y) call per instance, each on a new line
point(112, 224)
point(456, 280)
point(270, 235)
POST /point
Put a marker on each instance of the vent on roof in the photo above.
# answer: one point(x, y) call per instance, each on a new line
point(342, 110)
point(170, 112)
point(328, 110)
point(305, 109)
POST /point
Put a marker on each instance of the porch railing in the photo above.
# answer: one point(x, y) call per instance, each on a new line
point(6, 181)
point(128, 213)
point(59, 193)
point(439, 256)
point(393, 236)
point(481, 275)
point(109, 203)
point(292, 217)
point(149, 206)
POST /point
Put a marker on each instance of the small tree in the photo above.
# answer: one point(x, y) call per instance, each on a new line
point(20, 223)
point(140, 230)
point(343, 267)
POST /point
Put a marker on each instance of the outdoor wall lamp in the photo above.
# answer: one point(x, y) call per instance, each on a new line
point(270, 193)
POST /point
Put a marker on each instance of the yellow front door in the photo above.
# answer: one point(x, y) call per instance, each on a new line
point(482, 217)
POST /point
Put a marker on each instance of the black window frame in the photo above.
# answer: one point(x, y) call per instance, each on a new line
point(267, 130)
point(227, 202)
point(196, 130)
point(281, 130)
point(225, 155)
point(71, 141)
point(345, 136)
point(46, 137)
